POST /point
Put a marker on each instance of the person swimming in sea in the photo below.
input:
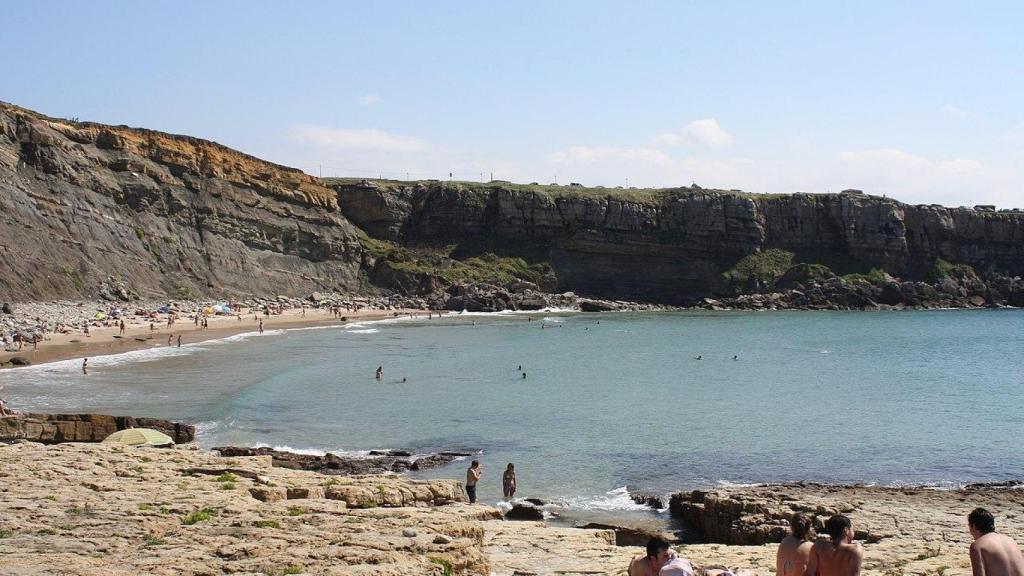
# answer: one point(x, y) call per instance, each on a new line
point(699, 357)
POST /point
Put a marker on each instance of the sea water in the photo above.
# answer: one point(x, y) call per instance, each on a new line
point(609, 402)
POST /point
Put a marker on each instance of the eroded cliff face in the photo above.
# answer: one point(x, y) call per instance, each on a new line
point(164, 214)
point(675, 245)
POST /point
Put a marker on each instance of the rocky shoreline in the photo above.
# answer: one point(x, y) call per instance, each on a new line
point(376, 462)
point(88, 508)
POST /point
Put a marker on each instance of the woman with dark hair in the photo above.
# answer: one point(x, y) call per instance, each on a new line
point(508, 481)
point(795, 549)
point(841, 556)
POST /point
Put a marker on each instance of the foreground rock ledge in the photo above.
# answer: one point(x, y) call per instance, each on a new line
point(92, 509)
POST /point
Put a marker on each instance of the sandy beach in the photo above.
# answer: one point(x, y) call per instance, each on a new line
point(105, 340)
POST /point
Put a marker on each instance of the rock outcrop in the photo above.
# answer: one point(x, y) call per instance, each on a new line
point(58, 428)
point(678, 245)
point(93, 210)
point(329, 463)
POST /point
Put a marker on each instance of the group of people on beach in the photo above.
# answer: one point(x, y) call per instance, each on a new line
point(992, 554)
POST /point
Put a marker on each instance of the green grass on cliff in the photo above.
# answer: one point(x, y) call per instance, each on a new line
point(873, 276)
point(448, 264)
point(942, 269)
point(764, 267)
point(651, 196)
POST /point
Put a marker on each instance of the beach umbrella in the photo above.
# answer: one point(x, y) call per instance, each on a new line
point(139, 437)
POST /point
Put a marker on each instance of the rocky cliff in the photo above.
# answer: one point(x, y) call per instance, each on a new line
point(85, 206)
point(674, 245)
point(92, 210)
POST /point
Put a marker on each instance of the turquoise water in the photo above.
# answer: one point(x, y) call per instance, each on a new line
point(929, 397)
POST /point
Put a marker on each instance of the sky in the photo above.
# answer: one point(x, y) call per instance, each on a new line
point(921, 101)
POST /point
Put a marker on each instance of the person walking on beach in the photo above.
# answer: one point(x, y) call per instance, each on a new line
point(508, 481)
point(795, 549)
point(473, 474)
point(122, 328)
point(658, 554)
point(170, 339)
point(841, 556)
point(992, 554)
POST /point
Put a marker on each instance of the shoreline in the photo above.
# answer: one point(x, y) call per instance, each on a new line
point(104, 341)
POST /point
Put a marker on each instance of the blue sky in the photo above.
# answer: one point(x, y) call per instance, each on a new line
point(923, 101)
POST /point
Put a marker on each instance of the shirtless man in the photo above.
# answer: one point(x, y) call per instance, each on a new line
point(473, 474)
point(992, 554)
point(658, 554)
point(795, 549)
point(840, 557)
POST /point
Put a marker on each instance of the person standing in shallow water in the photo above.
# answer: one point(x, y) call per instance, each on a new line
point(473, 474)
point(380, 372)
point(841, 556)
point(795, 549)
point(85, 366)
point(992, 554)
point(508, 481)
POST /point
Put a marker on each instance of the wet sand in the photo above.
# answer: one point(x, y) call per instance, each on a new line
point(107, 340)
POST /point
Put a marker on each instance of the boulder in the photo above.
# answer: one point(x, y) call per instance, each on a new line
point(7, 308)
point(597, 306)
point(524, 512)
point(20, 361)
point(269, 493)
point(305, 493)
point(629, 535)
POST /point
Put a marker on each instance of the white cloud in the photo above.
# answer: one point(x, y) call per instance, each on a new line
point(354, 139)
point(918, 179)
point(589, 155)
point(369, 100)
point(908, 177)
point(955, 111)
point(703, 132)
point(1015, 135)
